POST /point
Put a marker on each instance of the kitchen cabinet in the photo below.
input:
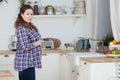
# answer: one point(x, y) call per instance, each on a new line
point(65, 69)
point(75, 73)
point(6, 63)
point(97, 71)
point(50, 67)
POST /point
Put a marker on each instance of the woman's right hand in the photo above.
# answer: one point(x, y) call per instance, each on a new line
point(37, 43)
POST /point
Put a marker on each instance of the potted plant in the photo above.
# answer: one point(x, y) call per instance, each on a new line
point(22, 2)
point(106, 40)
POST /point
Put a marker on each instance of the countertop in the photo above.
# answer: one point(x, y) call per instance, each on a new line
point(62, 51)
point(5, 73)
point(100, 59)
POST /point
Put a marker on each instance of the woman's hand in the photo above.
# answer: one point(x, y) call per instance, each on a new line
point(37, 43)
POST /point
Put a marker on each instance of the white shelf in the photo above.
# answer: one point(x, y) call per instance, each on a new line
point(67, 15)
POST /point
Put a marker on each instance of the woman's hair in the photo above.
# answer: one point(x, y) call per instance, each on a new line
point(19, 21)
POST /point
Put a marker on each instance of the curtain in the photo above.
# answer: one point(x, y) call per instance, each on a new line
point(115, 20)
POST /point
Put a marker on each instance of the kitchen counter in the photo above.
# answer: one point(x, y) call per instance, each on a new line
point(100, 59)
point(62, 51)
point(99, 68)
point(5, 74)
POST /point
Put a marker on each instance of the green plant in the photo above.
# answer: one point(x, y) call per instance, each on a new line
point(107, 39)
point(22, 2)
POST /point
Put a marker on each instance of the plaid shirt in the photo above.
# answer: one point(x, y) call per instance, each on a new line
point(27, 55)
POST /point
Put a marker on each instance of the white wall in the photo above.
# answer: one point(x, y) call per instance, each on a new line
point(7, 17)
point(63, 28)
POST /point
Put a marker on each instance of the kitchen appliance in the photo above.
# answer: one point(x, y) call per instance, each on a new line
point(12, 45)
point(50, 43)
point(47, 44)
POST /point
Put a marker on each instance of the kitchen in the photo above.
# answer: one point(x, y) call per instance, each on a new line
point(69, 27)
point(81, 27)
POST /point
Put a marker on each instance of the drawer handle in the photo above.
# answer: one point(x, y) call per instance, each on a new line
point(73, 71)
point(6, 55)
point(85, 63)
point(77, 73)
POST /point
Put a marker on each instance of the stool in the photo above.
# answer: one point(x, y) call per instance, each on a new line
point(6, 75)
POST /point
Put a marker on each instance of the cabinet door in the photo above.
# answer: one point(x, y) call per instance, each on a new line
point(103, 71)
point(7, 63)
point(50, 67)
point(84, 71)
point(65, 68)
point(97, 71)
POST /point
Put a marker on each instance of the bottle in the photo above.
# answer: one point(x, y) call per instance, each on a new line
point(35, 7)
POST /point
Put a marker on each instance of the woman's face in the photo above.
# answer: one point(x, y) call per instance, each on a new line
point(27, 15)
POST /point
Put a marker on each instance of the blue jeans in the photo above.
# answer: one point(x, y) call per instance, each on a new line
point(27, 74)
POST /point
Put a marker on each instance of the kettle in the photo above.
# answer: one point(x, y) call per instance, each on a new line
point(12, 45)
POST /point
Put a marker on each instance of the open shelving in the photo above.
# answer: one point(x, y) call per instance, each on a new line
point(67, 15)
